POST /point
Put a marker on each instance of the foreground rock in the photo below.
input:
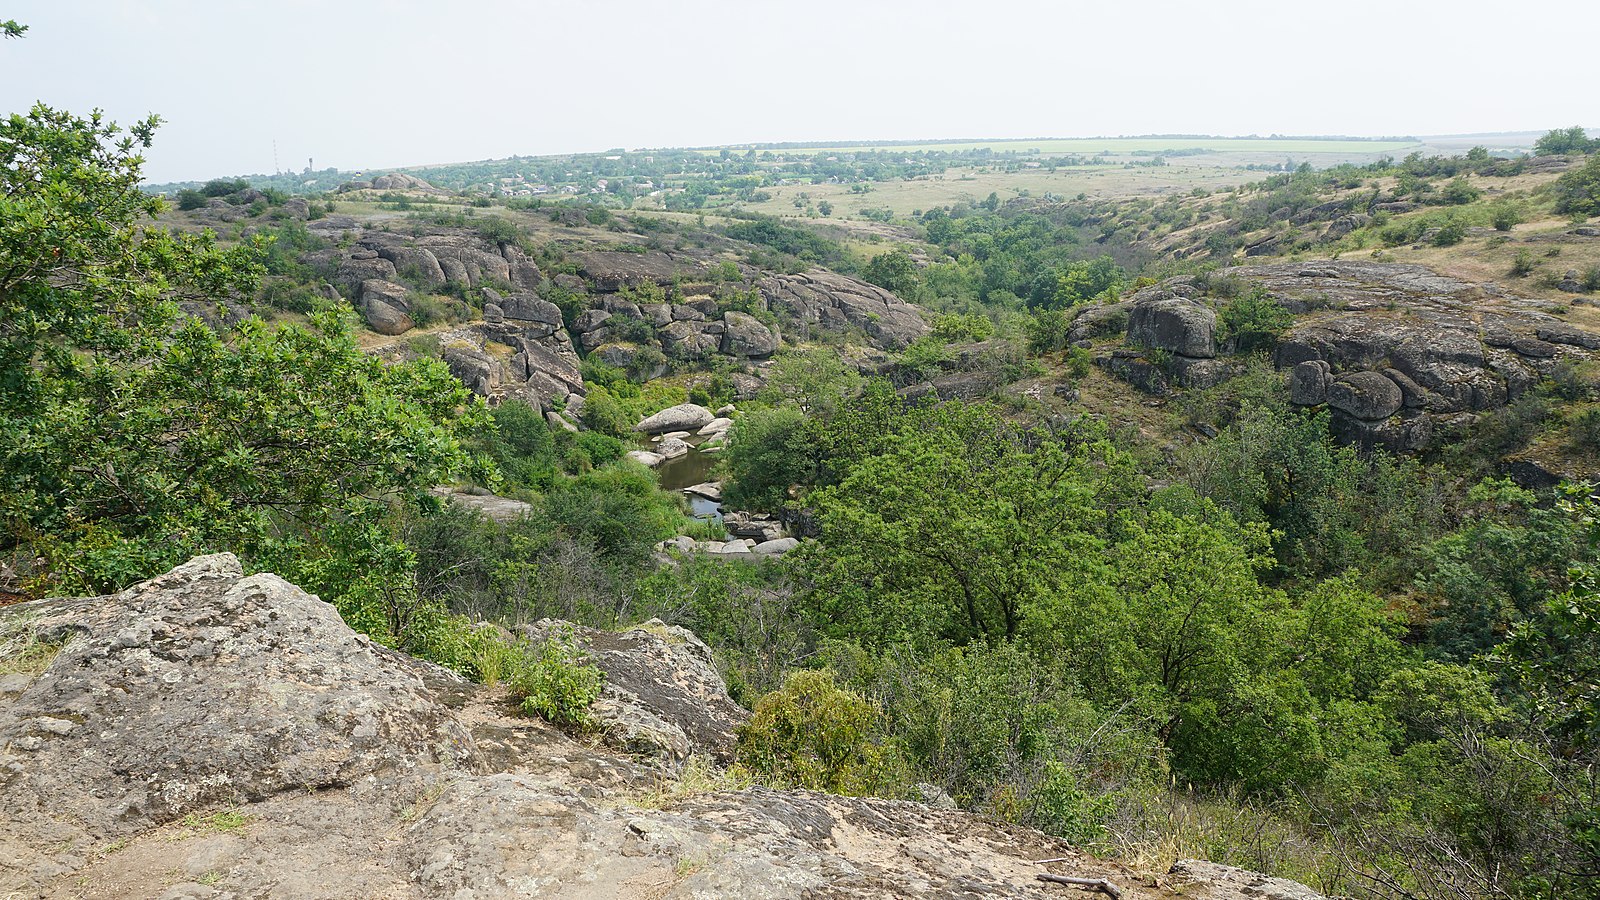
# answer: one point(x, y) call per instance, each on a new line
point(213, 735)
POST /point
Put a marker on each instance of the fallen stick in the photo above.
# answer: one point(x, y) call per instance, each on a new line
point(1040, 862)
point(1093, 884)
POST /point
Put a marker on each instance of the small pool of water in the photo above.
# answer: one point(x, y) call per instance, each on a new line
point(692, 468)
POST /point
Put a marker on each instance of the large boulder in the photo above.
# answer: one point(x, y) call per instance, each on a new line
point(683, 417)
point(526, 307)
point(1165, 321)
point(611, 271)
point(385, 306)
point(1308, 383)
point(819, 299)
point(744, 335)
point(662, 695)
point(1368, 396)
point(361, 266)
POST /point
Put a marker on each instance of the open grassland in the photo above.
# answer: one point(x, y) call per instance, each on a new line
point(972, 185)
point(1090, 146)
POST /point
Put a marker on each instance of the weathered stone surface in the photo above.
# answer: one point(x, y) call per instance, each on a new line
point(1398, 434)
point(200, 688)
point(1132, 367)
point(646, 458)
point(384, 316)
point(744, 335)
point(492, 506)
point(589, 320)
point(400, 181)
point(472, 366)
point(1368, 396)
point(352, 271)
point(1193, 875)
point(1308, 383)
point(525, 307)
point(683, 417)
point(1165, 321)
point(1099, 320)
point(1201, 373)
point(776, 546)
point(1557, 333)
point(663, 696)
point(672, 448)
point(822, 299)
point(611, 271)
point(414, 262)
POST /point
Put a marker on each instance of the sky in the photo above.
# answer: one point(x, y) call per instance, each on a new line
point(364, 84)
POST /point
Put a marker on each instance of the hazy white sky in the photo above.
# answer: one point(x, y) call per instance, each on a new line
point(370, 84)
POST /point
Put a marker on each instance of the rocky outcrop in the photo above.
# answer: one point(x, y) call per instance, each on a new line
point(210, 735)
point(822, 299)
point(1394, 351)
point(662, 697)
point(490, 506)
point(201, 689)
point(611, 271)
point(400, 181)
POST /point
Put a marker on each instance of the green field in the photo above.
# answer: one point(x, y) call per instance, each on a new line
point(1090, 146)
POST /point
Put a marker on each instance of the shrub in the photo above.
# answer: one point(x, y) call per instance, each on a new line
point(287, 295)
point(1450, 233)
point(815, 735)
point(1460, 192)
point(1079, 362)
point(923, 358)
point(601, 449)
point(962, 327)
point(1047, 330)
point(1252, 321)
point(222, 187)
point(1505, 217)
point(558, 681)
point(602, 413)
point(1578, 191)
point(191, 199)
point(1585, 429)
point(1523, 265)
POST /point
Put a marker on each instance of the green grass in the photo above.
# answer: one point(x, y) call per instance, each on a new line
point(1089, 146)
point(21, 652)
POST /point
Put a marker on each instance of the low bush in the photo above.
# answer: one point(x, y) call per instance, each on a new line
point(558, 681)
point(815, 735)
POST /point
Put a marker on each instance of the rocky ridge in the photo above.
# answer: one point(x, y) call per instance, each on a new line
point(209, 734)
point(1398, 353)
point(524, 346)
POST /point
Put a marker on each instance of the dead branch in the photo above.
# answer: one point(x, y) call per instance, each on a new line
point(1093, 884)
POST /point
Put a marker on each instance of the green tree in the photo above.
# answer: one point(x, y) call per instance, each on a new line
point(1561, 141)
point(1578, 192)
point(1077, 282)
point(893, 271)
point(131, 435)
